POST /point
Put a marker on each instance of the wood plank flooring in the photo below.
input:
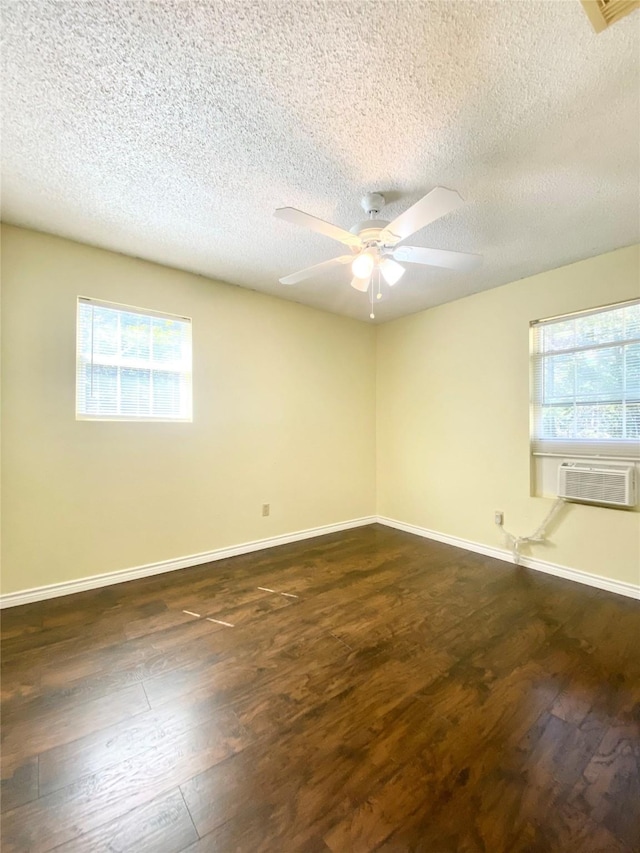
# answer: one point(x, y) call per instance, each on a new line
point(412, 697)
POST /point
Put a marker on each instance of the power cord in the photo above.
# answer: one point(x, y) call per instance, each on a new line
point(517, 541)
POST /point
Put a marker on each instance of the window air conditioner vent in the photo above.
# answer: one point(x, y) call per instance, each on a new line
point(612, 485)
point(603, 13)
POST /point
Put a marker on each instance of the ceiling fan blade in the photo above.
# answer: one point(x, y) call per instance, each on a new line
point(437, 258)
point(435, 204)
point(361, 284)
point(295, 277)
point(299, 217)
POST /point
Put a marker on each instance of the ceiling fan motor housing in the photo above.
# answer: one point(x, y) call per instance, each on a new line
point(369, 230)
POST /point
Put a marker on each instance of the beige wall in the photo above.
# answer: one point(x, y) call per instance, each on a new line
point(284, 413)
point(284, 408)
point(453, 418)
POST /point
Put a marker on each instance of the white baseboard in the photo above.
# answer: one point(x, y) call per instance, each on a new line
point(619, 587)
point(13, 599)
point(26, 596)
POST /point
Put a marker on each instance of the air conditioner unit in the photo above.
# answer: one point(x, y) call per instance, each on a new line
point(612, 485)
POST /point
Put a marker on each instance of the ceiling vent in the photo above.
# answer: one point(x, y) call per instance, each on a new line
point(603, 13)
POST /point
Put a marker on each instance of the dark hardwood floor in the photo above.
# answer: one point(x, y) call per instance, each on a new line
point(413, 697)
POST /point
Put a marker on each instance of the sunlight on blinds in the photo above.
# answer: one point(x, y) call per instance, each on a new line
point(132, 364)
point(586, 382)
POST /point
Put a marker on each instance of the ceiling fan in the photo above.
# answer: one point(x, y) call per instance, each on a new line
point(374, 242)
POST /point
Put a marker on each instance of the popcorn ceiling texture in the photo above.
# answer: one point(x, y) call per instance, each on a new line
point(172, 130)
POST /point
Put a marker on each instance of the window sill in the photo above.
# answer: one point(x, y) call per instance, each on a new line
point(586, 456)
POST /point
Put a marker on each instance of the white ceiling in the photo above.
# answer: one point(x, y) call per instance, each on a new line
point(172, 130)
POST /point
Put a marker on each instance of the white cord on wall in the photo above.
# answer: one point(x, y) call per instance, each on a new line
point(517, 541)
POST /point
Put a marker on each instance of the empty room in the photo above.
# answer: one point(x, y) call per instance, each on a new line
point(320, 426)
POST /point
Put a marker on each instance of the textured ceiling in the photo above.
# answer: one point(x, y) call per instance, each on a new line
point(172, 130)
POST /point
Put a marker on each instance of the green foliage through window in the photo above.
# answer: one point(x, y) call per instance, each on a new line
point(586, 376)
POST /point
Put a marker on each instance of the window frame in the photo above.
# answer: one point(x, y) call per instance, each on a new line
point(124, 418)
point(622, 448)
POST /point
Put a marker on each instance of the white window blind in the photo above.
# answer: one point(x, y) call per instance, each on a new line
point(132, 364)
point(586, 383)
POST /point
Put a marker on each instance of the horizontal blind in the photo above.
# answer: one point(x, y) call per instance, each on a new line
point(586, 383)
point(132, 364)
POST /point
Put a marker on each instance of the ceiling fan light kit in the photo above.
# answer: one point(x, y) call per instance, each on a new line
point(373, 243)
point(392, 272)
point(363, 264)
point(361, 284)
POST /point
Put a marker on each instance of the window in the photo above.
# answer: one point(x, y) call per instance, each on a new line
point(132, 364)
point(586, 382)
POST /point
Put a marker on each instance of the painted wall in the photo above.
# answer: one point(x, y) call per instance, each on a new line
point(284, 408)
point(453, 418)
point(285, 413)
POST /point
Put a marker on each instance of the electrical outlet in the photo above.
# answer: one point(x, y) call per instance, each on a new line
point(266, 509)
point(498, 517)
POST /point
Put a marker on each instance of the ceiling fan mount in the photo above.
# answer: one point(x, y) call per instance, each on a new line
point(369, 231)
point(374, 242)
point(372, 203)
